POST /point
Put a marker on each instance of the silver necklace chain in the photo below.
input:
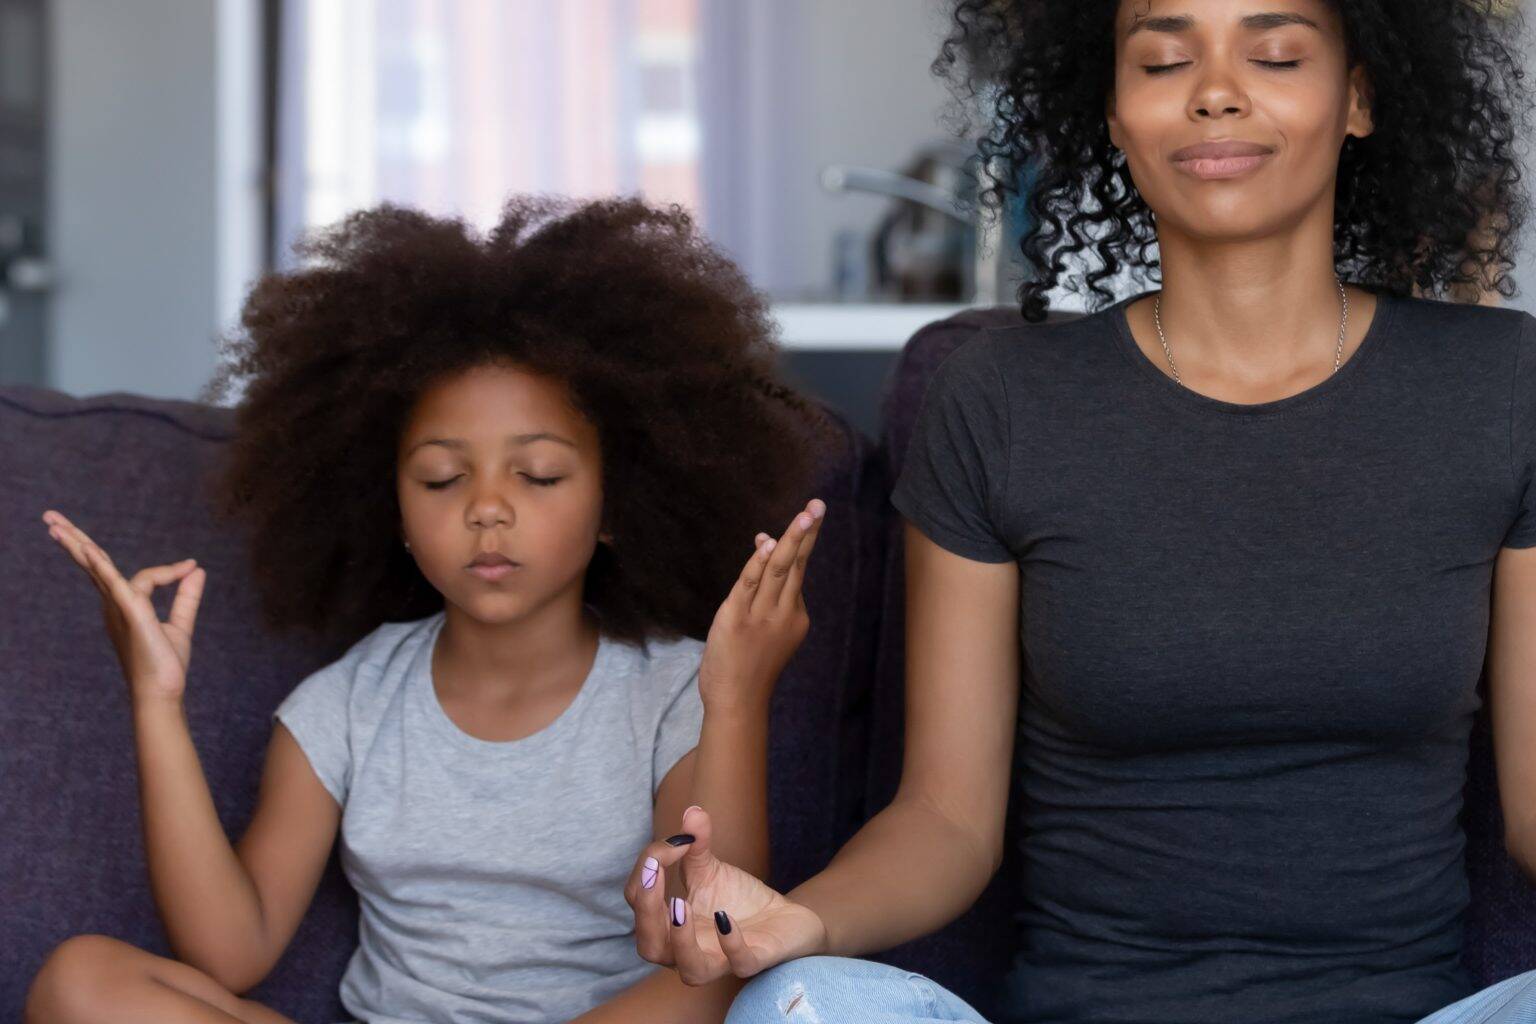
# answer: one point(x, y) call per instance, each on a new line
point(1338, 352)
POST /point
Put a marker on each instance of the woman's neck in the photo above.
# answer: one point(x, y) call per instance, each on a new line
point(1251, 318)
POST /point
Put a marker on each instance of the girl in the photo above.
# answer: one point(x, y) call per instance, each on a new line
point(1259, 529)
point(512, 472)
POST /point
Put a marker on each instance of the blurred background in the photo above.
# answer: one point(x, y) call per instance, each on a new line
point(157, 155)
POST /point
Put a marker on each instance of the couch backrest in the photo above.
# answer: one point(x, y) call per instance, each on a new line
point(972, 954)
point(131, 471)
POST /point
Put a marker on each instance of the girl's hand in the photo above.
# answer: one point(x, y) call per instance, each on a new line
point(729, 923)
point(762, 621)
point(154, 655)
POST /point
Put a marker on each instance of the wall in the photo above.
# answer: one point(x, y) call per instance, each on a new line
point(152, 189)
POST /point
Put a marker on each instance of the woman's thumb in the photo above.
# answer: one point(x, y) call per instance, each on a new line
point(697, 824)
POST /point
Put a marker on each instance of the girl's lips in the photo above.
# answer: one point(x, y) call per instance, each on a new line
point(1208, 168)
point(492, 573)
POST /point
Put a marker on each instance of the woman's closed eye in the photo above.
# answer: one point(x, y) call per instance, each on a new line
point(1159, 69)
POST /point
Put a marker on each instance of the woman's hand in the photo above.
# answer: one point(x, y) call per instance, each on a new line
point(729, 923)
point(762, 620)
point(154, 655)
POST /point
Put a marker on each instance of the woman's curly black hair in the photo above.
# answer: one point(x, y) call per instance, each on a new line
point(1430, 202)
point(659, 338)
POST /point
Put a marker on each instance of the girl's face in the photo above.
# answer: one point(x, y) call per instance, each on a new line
point(1267, 75)
point(496, 461)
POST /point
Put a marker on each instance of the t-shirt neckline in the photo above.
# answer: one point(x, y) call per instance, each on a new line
point(1386, 305)
point(426, 695)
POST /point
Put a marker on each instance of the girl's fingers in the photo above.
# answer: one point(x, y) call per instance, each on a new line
point(147, 579)
point(780, 562)
point(751, 576)
point(790, 595)
point(189, 595)
point(76, 551)
point(733, 944)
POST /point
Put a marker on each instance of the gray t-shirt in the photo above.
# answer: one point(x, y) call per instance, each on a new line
point(1251, 638)
point(491, 874)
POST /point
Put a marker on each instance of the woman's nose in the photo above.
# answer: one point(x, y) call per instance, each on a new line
point(1217, 95)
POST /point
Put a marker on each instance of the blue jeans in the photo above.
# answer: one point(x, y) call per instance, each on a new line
point(843, 990)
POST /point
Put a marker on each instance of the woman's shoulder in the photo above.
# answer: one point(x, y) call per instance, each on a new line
point(1469, 324)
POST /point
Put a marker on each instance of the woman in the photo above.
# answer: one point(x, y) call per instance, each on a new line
point(1258, 530)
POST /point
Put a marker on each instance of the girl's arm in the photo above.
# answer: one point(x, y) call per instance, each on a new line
point(227, 913)
point(924, 859)
point(662, 995)
point(759, 626)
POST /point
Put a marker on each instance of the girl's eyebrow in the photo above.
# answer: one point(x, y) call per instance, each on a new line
point(1254, 22)
point(460, 444)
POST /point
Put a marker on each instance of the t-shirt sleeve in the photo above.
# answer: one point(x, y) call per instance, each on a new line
point(317, 716)
point(953, 479)
point(1522, 434)
point(682, 716)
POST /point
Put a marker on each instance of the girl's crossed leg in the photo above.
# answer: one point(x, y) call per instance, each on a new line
point(93, 979)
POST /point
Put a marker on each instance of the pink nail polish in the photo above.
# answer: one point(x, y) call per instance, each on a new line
point(648, 873)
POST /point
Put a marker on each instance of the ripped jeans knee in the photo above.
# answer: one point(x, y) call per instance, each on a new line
point(846, 990)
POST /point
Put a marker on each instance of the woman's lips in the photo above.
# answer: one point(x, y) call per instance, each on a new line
point(1221, 159)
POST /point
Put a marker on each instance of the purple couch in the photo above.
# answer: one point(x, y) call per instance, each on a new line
point(129, 470)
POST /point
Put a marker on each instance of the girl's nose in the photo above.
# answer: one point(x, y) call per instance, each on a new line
point(490, 510)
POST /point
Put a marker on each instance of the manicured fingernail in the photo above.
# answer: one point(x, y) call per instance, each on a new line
point(804, 521)
point(769, 545)
point(691, 807)
point(648, 874)
point(722, 923)
point(818, 507)
point(681, 839)
point(679, 910)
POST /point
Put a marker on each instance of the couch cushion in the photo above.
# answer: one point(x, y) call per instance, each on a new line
point(131, 472)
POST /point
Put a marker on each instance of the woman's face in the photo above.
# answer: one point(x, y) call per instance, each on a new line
point(1266, 77)
point(497, 460)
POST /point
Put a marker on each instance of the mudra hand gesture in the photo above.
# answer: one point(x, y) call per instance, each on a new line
point(729, 922)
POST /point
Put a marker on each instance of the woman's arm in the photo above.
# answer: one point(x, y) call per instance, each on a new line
point(922, 861)
point(1512, 698)
point(228, 913)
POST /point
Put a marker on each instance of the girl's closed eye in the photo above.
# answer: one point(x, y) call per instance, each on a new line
point(539, 481)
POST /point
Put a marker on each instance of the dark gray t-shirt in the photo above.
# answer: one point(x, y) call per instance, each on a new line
point(1251, 641)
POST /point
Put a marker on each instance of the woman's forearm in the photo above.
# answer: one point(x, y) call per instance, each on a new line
point(908, 872)
point(730, 781)
point(207, 901)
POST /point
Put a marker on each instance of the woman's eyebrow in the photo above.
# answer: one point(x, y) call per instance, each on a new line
point(1253, 22)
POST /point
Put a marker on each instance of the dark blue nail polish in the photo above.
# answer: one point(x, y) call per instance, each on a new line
point(681, 839)
point(722, 922)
